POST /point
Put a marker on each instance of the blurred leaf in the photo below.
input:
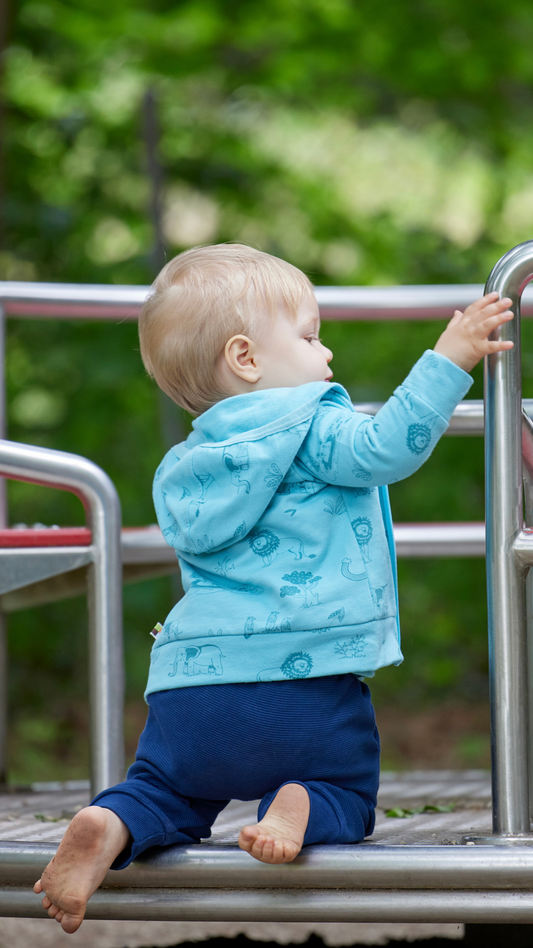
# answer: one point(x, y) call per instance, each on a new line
point(399, 812)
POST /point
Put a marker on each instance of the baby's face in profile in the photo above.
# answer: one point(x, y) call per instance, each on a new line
point(290, 353)
point(286, 352)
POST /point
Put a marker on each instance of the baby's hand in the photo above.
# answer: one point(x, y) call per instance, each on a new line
point(465, 340)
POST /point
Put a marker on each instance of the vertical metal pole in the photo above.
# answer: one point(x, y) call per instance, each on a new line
point(505, 577)
point(3, 523)
point(3, 701)
point(527, 471)
point(3, 412)
point(106, 662)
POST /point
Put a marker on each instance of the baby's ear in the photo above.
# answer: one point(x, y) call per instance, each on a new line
point(240, 354)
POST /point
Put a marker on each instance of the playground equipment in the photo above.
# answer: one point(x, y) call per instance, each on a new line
point(509, 557)
point(42, 565)
point(370, 881)
point(97, 548)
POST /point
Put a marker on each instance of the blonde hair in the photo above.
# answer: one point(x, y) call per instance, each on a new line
point(201, 299)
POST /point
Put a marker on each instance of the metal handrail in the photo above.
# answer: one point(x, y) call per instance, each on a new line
point(364, 866)
point(468, 418)
point(509, 556)
point(290, 905)
point(93, 301)
point(106, 686)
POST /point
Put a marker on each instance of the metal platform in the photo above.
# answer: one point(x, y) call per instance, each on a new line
point(414, 869)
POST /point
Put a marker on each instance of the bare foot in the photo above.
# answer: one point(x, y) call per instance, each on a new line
point(90, 845)
point(279, 836)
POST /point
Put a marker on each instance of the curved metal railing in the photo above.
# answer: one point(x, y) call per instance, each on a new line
point(100, 499)
point(509, 554)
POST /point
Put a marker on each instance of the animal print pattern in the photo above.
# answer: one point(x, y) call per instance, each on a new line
point(284, 535)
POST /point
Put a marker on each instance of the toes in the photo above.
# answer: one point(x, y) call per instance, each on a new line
point(258, 846)
point(53, 910)
point(247, 837)
point(46, 902)
point(71, 923)
point(263, 848)
point(267, 848)
point(38, 887)
point(249, 833)
point(274, 851)
point(278, 851)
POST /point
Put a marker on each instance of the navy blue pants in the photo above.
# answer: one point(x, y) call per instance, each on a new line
point(208, 744)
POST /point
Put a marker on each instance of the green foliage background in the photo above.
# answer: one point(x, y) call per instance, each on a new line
point(370, 144)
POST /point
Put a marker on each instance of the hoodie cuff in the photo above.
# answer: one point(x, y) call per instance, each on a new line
point(439, 382)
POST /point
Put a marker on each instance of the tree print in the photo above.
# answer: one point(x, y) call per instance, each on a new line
point(302, 586)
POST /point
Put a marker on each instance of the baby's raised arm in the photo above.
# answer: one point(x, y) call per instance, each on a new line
point(465, 340)
point(345, 448)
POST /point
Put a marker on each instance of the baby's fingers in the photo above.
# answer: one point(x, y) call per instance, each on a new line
point(490, 299)
point(492, 322)
point(486, 300)
point(499, 345)
point(485, 307)
point(494, 309)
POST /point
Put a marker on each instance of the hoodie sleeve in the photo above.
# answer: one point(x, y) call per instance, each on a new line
point(347, 448)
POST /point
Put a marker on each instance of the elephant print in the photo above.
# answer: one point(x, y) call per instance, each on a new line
point(237, 460)
point(197, 660)
point(268, 546)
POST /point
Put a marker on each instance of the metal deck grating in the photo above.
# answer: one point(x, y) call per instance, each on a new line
point(43, 814)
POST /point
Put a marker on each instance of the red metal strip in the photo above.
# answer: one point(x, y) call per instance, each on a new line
point(49, 536)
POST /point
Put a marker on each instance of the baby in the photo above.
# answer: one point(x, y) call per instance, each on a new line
point(277, 507)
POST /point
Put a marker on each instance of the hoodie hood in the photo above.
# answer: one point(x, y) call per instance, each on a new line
point(210, 490)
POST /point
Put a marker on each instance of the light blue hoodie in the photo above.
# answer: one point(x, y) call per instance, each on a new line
point(277, 508)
